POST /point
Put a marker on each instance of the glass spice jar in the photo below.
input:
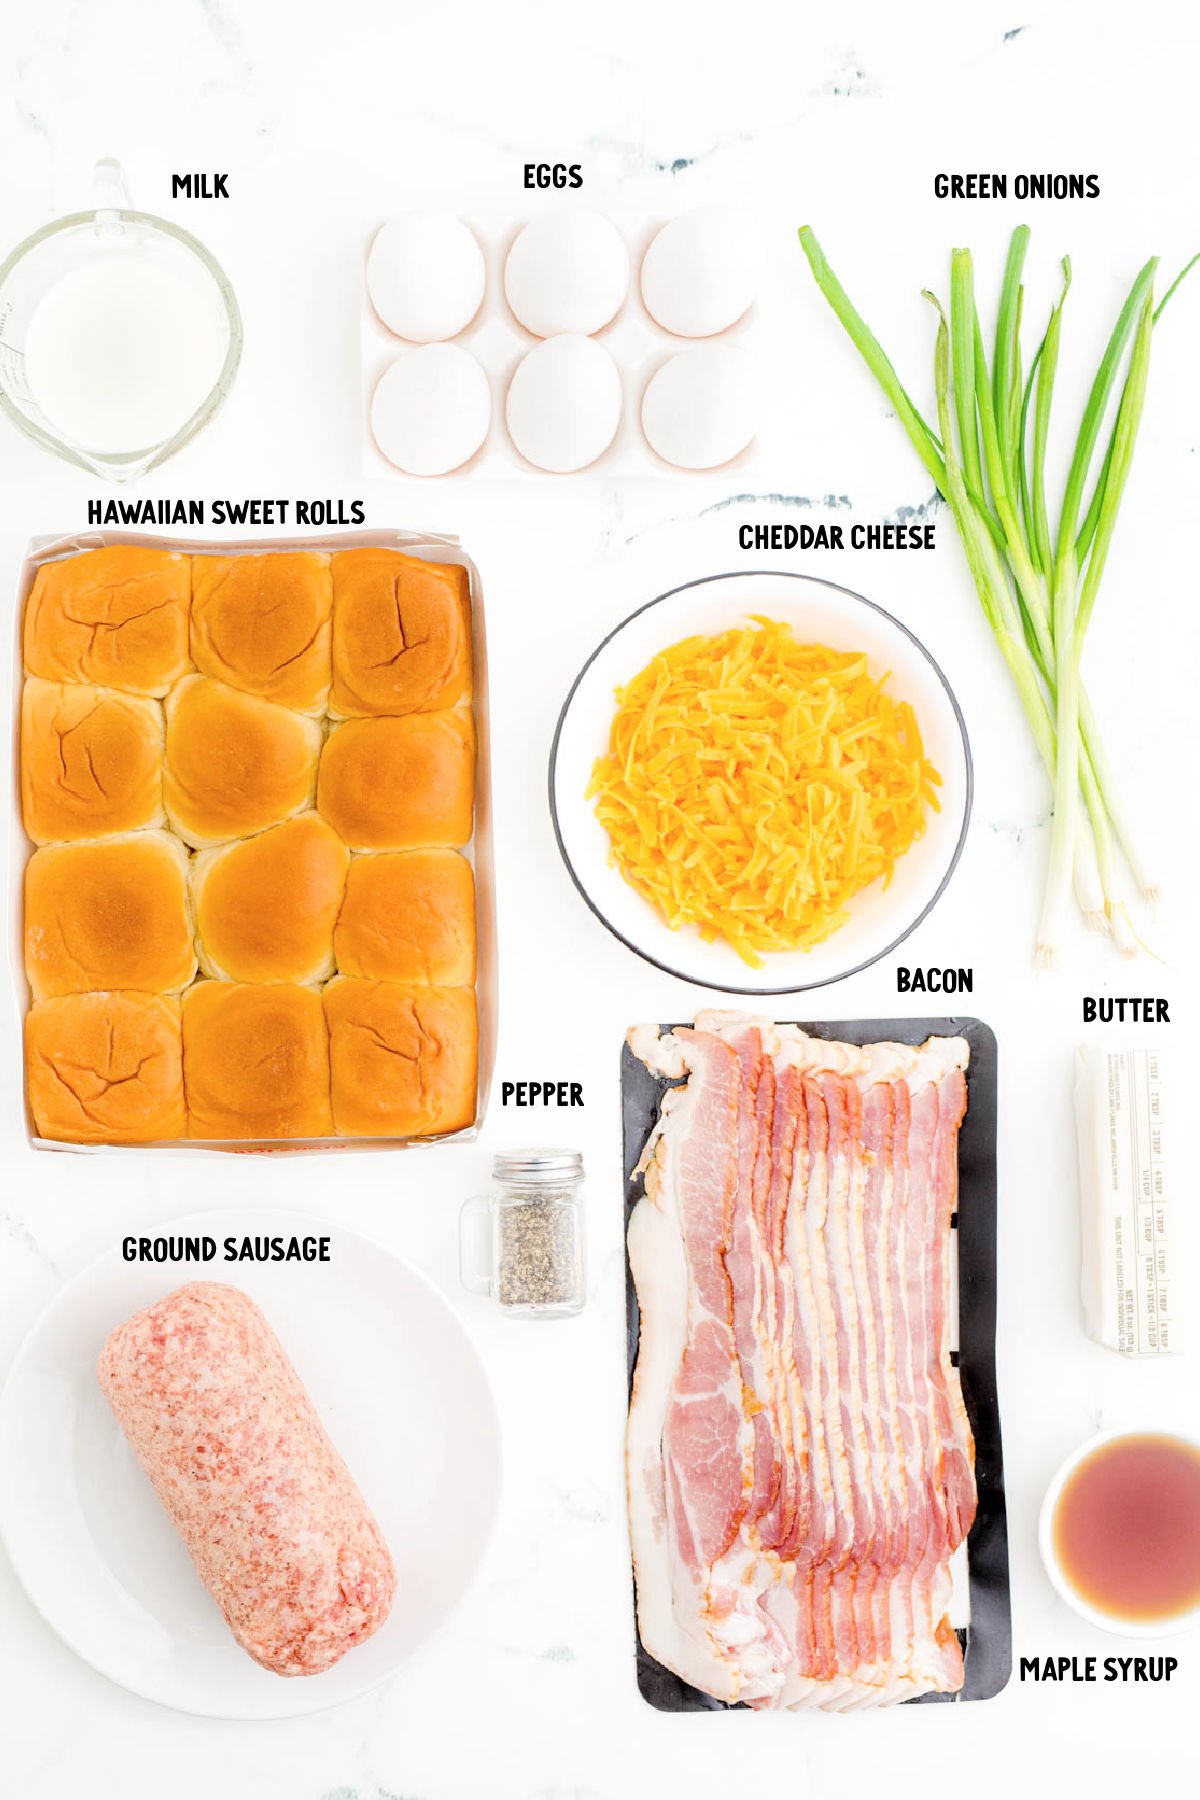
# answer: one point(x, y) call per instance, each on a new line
point(524, 1243)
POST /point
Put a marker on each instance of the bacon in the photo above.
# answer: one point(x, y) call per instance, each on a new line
point(800, 1463)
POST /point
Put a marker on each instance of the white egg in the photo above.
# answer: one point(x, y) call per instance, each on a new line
point(703, 270)
point(568, 271)
point(564, 403)
point(701, 408)
point(431, 409)
point(426, 275)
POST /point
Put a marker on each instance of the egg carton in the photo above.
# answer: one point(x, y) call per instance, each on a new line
point(638, 344)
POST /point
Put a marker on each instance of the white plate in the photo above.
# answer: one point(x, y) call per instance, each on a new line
point(819, 612)
point(392, 1374)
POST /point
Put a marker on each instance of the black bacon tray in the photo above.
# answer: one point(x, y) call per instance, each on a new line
point(987, 1640)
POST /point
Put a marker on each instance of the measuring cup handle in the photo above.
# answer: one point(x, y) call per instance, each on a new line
point(475, 1244)
point(110, 190)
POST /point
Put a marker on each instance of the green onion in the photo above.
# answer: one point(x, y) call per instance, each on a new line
point(1037, 585)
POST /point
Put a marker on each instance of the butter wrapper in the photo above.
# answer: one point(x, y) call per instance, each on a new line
point(1130, 1247)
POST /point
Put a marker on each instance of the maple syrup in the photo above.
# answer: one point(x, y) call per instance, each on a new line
point(1126, 1528)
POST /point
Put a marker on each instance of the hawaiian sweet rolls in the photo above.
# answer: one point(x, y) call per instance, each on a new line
point(106, 1068)
point(91, 761)
point(248, 781)
point(109, 915)
point(409, 916)
point(399, 784)
point(266, 907)
point(256, 1061)
point(401, 634)
point(116, 617)
point(402, 1059)
point(263, 624)
point(235, 764)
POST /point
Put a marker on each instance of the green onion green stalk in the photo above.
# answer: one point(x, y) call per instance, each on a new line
point(1037, 584)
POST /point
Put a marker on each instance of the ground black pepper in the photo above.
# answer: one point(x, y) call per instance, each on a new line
point(539, 1261)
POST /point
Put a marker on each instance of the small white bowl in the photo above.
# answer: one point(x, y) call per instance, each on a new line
point(1115, 1623)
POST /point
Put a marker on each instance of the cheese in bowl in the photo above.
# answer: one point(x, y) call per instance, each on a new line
point(754, 785)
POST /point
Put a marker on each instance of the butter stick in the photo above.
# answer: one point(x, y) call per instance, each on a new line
point(1129, 1228)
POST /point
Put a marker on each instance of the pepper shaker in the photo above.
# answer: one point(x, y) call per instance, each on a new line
point(524, 1243)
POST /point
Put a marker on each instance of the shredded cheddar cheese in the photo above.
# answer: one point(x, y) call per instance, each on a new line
point(754, 785)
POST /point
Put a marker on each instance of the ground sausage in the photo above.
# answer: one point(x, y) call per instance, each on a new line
point(273, 1521)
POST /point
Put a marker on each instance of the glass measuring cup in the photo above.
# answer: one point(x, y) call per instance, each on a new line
point(119, 335)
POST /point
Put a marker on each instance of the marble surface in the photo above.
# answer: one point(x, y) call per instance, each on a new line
point(327, 119)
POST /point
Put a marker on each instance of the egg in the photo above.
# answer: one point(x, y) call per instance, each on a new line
point(564, 403)
point(426, 275)
point(567, 272)
point(703, 270)
point(431, 409)
point(701, 408)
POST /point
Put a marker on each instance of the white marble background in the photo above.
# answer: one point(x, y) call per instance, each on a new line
point(328, 117)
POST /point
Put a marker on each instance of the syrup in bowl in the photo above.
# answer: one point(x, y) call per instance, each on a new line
point(1120, 1532)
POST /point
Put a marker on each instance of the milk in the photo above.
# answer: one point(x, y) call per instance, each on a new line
point(122, 349)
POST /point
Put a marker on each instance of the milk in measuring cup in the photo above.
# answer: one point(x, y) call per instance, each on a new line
point(122, 350)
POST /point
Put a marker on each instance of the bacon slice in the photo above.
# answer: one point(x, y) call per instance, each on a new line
point(800, 1463)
